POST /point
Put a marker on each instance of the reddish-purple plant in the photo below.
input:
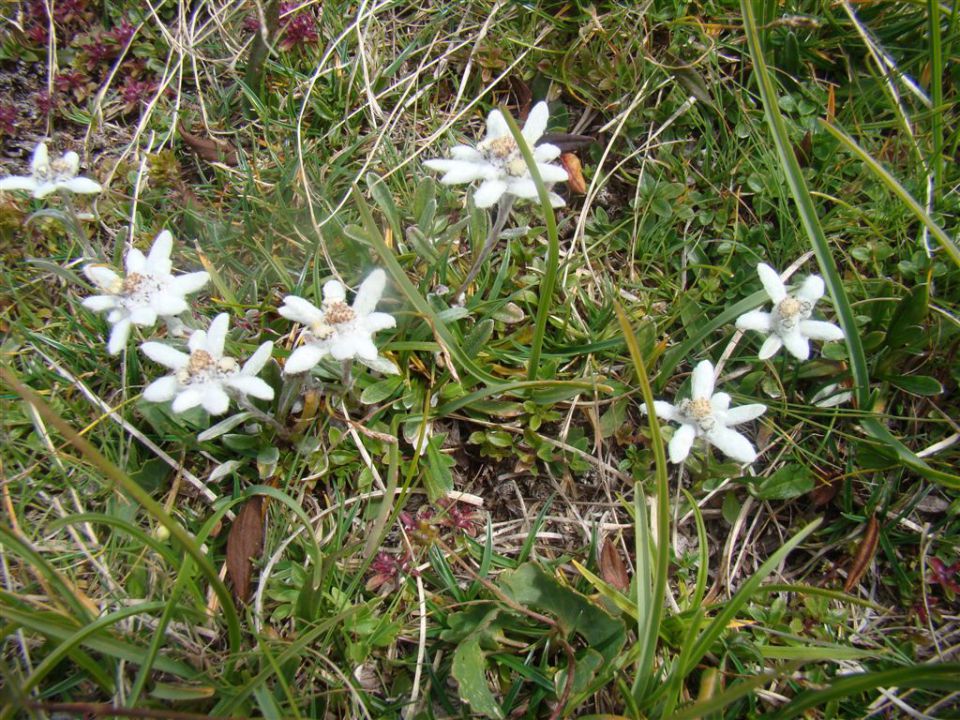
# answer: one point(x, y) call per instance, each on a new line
point(45, 102)
point(297, 27)
point(459, 516)
point(946, 576)
point(135, 93)
point(8, 118)
point(122, 33)
point(75, 83)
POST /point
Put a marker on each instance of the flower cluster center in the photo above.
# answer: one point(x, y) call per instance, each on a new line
point(203, 366)
point(59, 169)
point(699, 411)
point(504, 152)
point(791, 311)
point(338, 313)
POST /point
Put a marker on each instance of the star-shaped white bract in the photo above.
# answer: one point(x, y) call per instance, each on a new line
point(789, 324)
point(708, 415)
point(147, 292)
point(206, 375)
point(48, 176)
point(499, 164)
point(341, 331)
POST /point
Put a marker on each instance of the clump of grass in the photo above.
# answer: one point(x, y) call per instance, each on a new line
point(495, 530)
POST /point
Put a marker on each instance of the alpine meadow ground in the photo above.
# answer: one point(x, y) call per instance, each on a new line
point(479, 359)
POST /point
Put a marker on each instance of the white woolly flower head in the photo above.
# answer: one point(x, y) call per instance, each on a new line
point(498, 163)
point(344, 332)
point(708, 415)
point(48, 176)
point(206, 376)
point(789, 324)
point(148, 290)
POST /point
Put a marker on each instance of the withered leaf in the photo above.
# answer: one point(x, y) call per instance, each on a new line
point(207, 148)
point(865, 553)
point(826, 489)
point(244, 544)
point(575, 181)
point(612, 568)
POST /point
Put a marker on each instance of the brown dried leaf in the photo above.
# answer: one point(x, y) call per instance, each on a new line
point(612, 568)
point(244, 544)
point(826, 489)
point(207, 148)
point(575, 181)
point(865, 553)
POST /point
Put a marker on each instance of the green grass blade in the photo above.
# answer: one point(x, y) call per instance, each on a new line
point(553, 249)
point(130, 488)
point(944, 676)
point(648, 631)
point(882, 174)
point(730, 609)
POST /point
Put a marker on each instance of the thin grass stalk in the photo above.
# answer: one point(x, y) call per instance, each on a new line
point(882, 174)
point(123, 482)
point(648, 632)
point(553, 249)
point(936, 93)
point(73, 642)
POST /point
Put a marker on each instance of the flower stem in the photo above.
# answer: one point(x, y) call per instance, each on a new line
point(289, 393)
point(281, 431)
point(503, 211)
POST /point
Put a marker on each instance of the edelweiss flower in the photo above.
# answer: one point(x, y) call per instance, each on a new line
point(788, 324)
point(48, 176)
point(147, 292)
point(708, 415)
point(205, 375)
point(337, 329)
point(498, 162)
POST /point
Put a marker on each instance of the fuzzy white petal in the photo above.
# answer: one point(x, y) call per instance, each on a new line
point(496, 126)
point(162, 389)
point(701, 382)
point(197, 340)
point(744, 413)
point(81, 186)
point(135, 262)
point(366, 350)
point(812, 289)
point(304, 358)
point(732, 444)
point(381, 365)
point(119, 335)
point(377, 321)
point(18, 182)
point(167, 304)
point(664, 410)
point(299, 310)
point(259, 358)
point(755, 320)
point(489, 192)
point(253, 386)
point(720, 402)
point(99, 303)
point(103, 277)
point(796, 344)
point(523, 187)
point(370, 292)
point(465, 152)
point(40, 162)
point(681, 442)
point(555, 200)
point(345, 347)
point(771, 346)
point(189, 282)
point(217, 334)
point(215, 399)
point(72, 162)
point(552, 173)
point(772, 283)
point(457, 171)
point(187, 399)
point(158, 260)
point(536, 123)
point(546, 152)
point(819, 330)
point(334, 291)
point(165, 355)
point(143, 316)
